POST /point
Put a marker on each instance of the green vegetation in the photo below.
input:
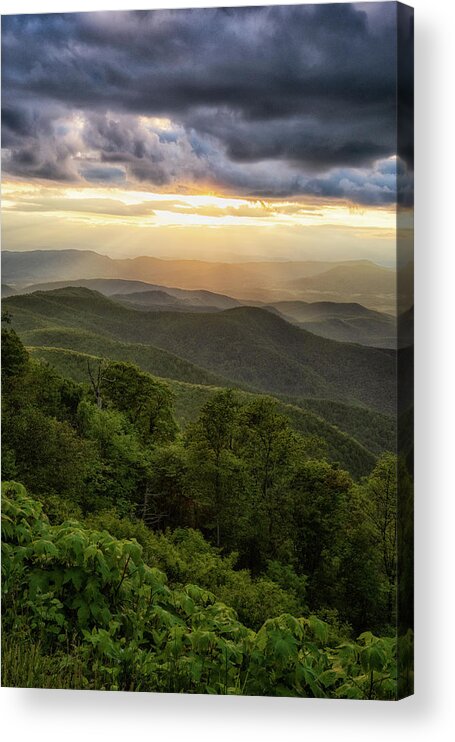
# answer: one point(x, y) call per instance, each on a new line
point(189, 399)
point(375, 431)
point(83, 609)
point(229, 551)
point(247, 345)
point(354, 434)
point(69, 350)
point(155, 360)
point(346, 322)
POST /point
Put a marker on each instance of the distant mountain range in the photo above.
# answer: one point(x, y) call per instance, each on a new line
point(7, 291)
point(250, 346)
point(139, 292)
point(22, 268)
point(52, 265)
point(365, 283)
point(262, 281)
point(343, 321)
point(346, 321)
point(358, 277)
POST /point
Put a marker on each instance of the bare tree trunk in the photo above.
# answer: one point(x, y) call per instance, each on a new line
point(96, 383)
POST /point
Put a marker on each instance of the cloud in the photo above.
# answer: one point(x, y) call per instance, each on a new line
point(377, 185)
point(102, 206)
point(266, 101)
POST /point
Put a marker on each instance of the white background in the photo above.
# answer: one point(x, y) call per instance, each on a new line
point(77, 715)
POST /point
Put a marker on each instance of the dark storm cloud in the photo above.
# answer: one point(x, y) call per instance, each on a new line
point(311, 88)
point(16, 122)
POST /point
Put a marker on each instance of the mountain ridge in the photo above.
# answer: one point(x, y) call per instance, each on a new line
point(248, 345)
point(190, 398)
point(343, 321)
point(125, 287)
point(257, 281)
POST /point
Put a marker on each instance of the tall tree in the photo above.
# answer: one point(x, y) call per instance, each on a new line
point(215, 470)
point(320, 492)
point(146, 401)
point(380, 504)
point(14, 355)
point(270, 450)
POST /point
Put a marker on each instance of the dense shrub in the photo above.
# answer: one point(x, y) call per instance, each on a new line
point(89, 600)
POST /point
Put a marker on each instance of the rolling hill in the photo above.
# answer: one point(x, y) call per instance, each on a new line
point(157, 301)
point(31, 266)
point(343, 448)
point(247, 345)
point(140, 292)
point(154, 360)
point(7, 291)
point(375, 431)
point(346, 322)
point(343, 321)
point(364, 282)
point(67, 349)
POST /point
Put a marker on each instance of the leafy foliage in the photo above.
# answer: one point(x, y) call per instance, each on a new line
point(353, 439)
point(181, 560)
point(14, 356)
point(91, 600)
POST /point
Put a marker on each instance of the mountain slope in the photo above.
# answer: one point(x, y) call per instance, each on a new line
point(365, 274)
point(346, 322)
point(304, 311)
point(247, 345)
point(39, 265)
point(7, 291)
point(157, 301)
point(375, 431)
point(138, 291)
point(154, 360)
point(366, 283)
point(190, 398)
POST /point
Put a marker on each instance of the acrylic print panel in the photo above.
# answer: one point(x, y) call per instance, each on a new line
point(207, 350)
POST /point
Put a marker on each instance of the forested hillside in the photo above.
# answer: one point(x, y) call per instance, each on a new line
point(343, 321)
point(346, 322)
point(150, 358)
point(349, 450)
point(248, 345)
point(136, 290)
point(352, 434)
point(235, 506)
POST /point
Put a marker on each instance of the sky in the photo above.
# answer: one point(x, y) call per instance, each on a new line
point(221, 134)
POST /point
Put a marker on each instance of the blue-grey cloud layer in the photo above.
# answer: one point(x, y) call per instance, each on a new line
point(273, 101)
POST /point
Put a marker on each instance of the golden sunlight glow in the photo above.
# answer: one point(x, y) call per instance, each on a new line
point(144, 209)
